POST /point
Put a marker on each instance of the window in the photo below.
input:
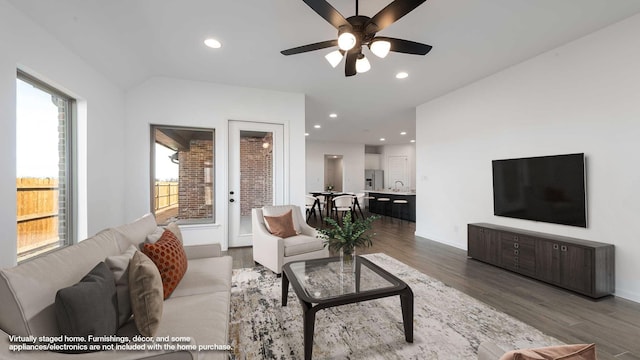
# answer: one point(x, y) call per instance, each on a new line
point(182, 179)
point(43, 167)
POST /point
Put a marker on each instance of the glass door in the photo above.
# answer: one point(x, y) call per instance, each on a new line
point(256, 174)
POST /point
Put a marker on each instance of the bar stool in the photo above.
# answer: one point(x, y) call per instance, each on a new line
point(367, 206)
point(398, 203)
point(385, 202)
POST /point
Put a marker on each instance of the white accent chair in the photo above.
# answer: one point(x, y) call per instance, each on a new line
point(272, 251)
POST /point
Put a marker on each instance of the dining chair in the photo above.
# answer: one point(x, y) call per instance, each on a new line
point(342, 204)
point(358, 202)
point(310, 204)
point(322, 203)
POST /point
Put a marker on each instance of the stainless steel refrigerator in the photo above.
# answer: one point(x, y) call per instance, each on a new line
point(374, 180)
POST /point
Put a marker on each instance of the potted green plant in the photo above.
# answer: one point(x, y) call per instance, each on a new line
point(346, 237)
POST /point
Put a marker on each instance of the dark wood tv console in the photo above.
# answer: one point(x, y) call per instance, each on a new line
point(586, 267)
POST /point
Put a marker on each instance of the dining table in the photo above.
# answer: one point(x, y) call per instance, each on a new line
point(329, 196)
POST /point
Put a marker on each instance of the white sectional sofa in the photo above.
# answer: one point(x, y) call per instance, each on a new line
point(198, 309)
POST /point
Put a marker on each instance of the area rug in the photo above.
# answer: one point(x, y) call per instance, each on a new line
point(448, 324)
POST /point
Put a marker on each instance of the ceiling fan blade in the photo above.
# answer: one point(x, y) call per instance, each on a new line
point(310, 47)
point(392, 12)
point(350, 63)
point(328, 12)
point(406, 46)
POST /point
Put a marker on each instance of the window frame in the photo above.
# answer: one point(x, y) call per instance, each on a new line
point(70, 135)
point(152, 172)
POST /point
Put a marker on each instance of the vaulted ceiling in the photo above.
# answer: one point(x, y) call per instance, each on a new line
point(132, 40)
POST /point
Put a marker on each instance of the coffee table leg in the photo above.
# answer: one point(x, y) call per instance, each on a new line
point(309, 314)
point(406, 301)
point(285, 288)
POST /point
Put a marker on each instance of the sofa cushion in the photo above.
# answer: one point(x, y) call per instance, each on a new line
point(155, 235)
point(281, 225)
point(136, 232)
point(175, 229)
point(28, 291)
point(146, 294)
point(205, 275)
point(561, 352)
point(119, 266)
point(206, 322)
point(301, 244)
point(170, 258)
point(90, 306)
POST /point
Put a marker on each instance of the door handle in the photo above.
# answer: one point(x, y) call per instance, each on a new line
point(232, 200)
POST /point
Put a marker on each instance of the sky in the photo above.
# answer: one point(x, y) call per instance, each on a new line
point(165, 169)
point(36, 133)
point(37, 137)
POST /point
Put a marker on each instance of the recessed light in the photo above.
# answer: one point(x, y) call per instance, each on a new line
point(403, 133)
point(382, 139)
point(306, 134)
point(334, 115)
point(213, 43)
point(317, 126)
point(412, 141)
point(402, 75)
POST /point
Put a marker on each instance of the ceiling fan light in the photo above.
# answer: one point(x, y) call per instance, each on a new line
point(346, 41)
point(380, 48)
point(362, 64)
point(334, 58)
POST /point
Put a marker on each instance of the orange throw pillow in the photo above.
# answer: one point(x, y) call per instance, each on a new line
point(281, 226)
point(169, 256)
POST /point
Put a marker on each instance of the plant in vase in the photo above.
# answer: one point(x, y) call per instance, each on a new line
point(346, 237)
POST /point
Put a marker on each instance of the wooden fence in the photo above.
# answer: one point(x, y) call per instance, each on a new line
point(166, 194)
point(37, 210)
point(37, 213)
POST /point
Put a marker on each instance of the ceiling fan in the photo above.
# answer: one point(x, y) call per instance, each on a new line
point(357, 31)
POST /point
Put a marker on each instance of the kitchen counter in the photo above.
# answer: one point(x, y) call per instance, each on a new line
point(400, 211)
point(390, 192)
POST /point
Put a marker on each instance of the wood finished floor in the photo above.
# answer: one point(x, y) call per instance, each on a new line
point(612, 323)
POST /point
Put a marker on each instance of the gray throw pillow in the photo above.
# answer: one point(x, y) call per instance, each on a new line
point(90, 306)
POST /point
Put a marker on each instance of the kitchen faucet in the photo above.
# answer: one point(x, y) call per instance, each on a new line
point(395, 184)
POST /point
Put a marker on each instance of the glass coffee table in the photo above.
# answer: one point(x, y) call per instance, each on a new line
point(320, 284)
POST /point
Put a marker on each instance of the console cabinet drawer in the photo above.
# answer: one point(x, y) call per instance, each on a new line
point(518, 254)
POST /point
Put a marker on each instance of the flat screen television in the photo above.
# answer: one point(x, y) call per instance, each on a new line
point(546, 188)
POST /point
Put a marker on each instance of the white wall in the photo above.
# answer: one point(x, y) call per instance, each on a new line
point(27, 46)
point(409, 151)
point(168, 101)
point(372, 162)
point(352, 163)
point(581, 97)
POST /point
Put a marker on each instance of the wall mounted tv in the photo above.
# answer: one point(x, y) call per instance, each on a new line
point(546, 188)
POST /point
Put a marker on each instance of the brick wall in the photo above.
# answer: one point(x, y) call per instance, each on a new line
point(195, 193)
point(256, 168)
point(62, 105)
